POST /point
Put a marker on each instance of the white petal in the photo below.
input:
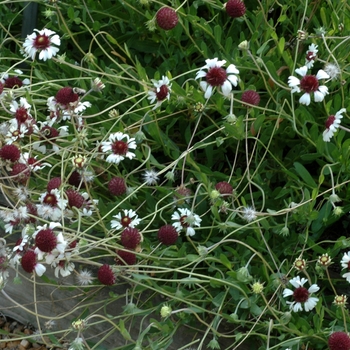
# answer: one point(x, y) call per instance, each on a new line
point(233, 79)
point(208, 92)
point(321, 74)
point(314, 288)
point(287, 292)
point(310, 303)
point(201, 74)
point(293, 81)
point(226, 88)
point(318, 96)
point(305, 99)
point(301, 71)
point(231, 69)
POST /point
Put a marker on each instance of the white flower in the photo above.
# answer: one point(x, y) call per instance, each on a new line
point(161, 91)
point(52, 205)
point(216, 76)
point(14, 81)
point(42, 41)
point(309, 84)
point(119, 149)
point(332, 125)
point(302, 296)
point(150, 177)
point(63, 267)
point(186, 220)
point(129, 219)
point(345, 263)
point(332, 70)
point(310, 56)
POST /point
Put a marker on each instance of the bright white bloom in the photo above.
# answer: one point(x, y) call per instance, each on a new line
point(118, 148)
point(332, 125)
point(150, 177)
point(249, 214)
point(185, 219)
point(15, 131)
point(128, 219)
point(42, 41)
point(52, 205)
point(309, 84)
point(302, 296)
point(161, 91)
point(310, 56)
point(216, 76)
point(345, 263)
point(332, 70)
point(63, 267)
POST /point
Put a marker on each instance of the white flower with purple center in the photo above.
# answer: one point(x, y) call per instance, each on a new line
point(43, 41)
point(119, 145)
point(332, 125)
point(161, 91)
point(302, 296)
point(216, 76)
point(345, 263)
point(127, 219)
point(52, 205)
point(311, 55)
point(309, 84)
point(12, 82)
point(186, 220)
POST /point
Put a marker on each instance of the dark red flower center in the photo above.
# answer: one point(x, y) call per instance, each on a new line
point(301, 295)
point(309, 83)
point(330, 121)
point(216, 76)
point(21, 114)
point(46, 240)
point(182, 221)
point(162, 93)
point(41, 42)
point(310, 56)
point(13, 82)
point(125, 221)
point(49, 132)
point(50, 199)
point(120, 147)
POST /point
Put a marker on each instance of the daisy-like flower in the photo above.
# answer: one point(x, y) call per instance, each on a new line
point(217, 76)
point(52, 205)
point(302, 296)
point(43, 41)
point(311, 55)
point(119, 145)
point(309, 84)
point(345, 263)
point(13, 82)
point(150, 177)
point(185, 219)
point(128, 219)
point(332, 125)
point(161, 91)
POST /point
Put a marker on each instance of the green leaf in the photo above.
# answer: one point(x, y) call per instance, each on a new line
point(123, 331)
point(305, 175)
point(225, 261)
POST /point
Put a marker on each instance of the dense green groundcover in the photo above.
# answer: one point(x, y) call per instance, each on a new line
point(229, 283)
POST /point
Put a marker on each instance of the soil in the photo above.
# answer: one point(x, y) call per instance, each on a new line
point(10, 332)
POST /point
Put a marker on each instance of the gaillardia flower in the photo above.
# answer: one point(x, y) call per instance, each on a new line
point(43, 41)
point(161, 91)
point(119, 145)
point(217, 76)
point(332, 125)
point(301, 295)
point(309, 84)
point(185, 219)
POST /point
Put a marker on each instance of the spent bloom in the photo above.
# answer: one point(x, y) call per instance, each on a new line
point(332, 70)
point(309, 84)
point(324, 260)
point(127, 219)
point(216, 76)
point(150, 177)
point(161, 91)
point(340, 300)
point(43, 41)
point(301, 295)
point(299, 264)
point(185, 219)
point(119, 146)
point(311, 55)
point(249, 214)
point(332, 125)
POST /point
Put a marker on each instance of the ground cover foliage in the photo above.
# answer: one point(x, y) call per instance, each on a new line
point(203, 167)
